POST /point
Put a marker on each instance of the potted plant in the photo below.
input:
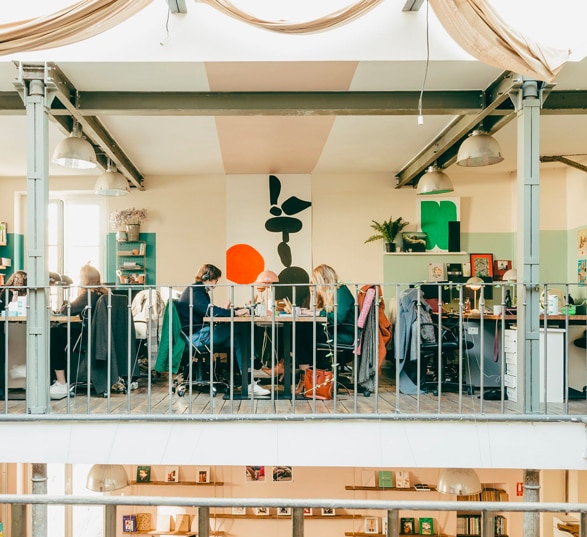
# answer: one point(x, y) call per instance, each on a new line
point(387, 231)
point(129, 220)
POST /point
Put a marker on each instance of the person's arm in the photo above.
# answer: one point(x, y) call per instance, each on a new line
point(203, 306)
point(77, 305)
point(346, 307)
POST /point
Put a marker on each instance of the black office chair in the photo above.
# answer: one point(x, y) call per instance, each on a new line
point(448, 372)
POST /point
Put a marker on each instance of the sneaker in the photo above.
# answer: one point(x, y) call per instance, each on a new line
point(58, 391)
point(261, 374)
point(258, 391)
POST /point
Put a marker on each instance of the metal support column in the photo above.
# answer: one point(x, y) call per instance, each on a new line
point(17, 520)
point(297, 522)
point(583, 527)
point(39, 511)
point(392, 523)
point(34, 86)
point(488, 524)
point(528, 102)
point(531, 494)
point(203, 521)
point(109, 520)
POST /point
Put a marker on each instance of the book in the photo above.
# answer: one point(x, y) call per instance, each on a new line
point(182, 523)
point(368, 478)
point(144, 522)
point(407, 526)
point(129, 523)
point(402, 480)
point(143, 474)
point(426, 526)
point(385, 479)
point(421, 486)
point(172, 474)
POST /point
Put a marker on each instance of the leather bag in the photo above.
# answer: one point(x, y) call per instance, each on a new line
point(324, 384)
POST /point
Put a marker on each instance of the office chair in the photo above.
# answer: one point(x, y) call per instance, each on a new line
point(448, 371)
point(147, 310)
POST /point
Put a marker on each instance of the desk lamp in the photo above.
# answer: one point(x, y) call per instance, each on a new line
point(475, 284)
point(105, 478)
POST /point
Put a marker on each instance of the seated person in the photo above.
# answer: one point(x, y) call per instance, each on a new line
point(195, 300)
point(90, 291)
point(324, 282)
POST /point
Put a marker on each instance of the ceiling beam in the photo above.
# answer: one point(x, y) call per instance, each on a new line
point(412, 5)
point(443, 149)
point(103, 142)
point(564, 160)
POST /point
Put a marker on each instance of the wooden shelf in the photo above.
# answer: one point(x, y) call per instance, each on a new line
point(362, 533)
point(377, 489)
point(184, 483)
point(155, 532)
point(285, 517)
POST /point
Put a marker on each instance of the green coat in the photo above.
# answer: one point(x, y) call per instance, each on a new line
point(178, 342)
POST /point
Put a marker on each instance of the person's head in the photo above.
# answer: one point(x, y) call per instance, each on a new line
point(208, 275)
point(325, 279)
point(89, 276)
point(266, 279)
point(18, 279)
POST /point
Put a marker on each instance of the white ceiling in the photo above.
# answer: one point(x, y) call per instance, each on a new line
point(206, 51)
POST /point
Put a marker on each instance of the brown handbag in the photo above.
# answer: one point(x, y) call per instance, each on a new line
point(324, 384)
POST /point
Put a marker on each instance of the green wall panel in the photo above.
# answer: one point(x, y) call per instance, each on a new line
point(150, 239)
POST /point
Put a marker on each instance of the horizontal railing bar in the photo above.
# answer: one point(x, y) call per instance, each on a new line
point(526, 507)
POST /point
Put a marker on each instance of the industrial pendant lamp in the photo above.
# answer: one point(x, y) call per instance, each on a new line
point(459, 481)
point(479, 149)
point(434, 181)
point(75, 151)
point(107, 477)
point(111, 182)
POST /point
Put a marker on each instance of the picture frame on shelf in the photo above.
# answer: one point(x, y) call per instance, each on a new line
point(240, 511)
point(581, 242)
point(129, 523)
point(202, 474)
point(402, 479)
point(282, 474)
point(371, 524)
point(143, 474)
point(500, 267)
point(307, 511)
point(254, 474)
point(407, 526)
point(3, 233)
point(482, 265)
point(436, 272)
point(284, 511)
point(172, 474)
point(328, 511)
point(426, 526)
point(262, 511)
point(582, 271)
point(368, 478)
point(467, 270)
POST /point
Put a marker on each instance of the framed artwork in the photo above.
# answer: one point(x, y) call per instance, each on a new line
point(284, 511)
point(500, 267)
point(239, 511)
point(402, 480)
point(255, 474)
point(426, 526)
point(371, 524)
point(407, 526)
point(129, 523)
point(436, 272)
point(203, 474)
point(581, 242)
point(582, 271)
point(466, 270)
point(328, 511)
point(3, 234)
point(482, 265)
point(172, 474)
point(282, 473)
point(307, 511)
point(143, 474)
point(262, 511)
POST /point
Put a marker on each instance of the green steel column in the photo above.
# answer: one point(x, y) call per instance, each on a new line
point(528, 103)
point(33, 84)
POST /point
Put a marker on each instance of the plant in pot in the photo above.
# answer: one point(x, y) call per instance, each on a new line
point(387, 231)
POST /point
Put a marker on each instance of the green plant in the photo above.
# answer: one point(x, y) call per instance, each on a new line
point(387, 230)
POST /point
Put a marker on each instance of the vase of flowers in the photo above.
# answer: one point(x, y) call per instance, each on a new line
point(128, 222)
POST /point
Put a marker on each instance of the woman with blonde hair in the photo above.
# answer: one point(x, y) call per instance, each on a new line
point(89, 291)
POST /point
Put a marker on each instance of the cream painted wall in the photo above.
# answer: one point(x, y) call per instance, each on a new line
point(576, 200)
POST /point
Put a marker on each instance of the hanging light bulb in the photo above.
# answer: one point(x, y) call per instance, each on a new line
point(111, 182)
point(75, 151)
point(479, 149)
point(434, 181)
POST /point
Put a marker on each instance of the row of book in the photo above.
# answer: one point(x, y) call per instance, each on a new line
point(471, 525)
point(488, 494)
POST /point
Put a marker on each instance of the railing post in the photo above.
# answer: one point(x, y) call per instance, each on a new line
point(297, 529)
point(392, 523)
point(17, 520)
point(203, 521)
point(488, 523)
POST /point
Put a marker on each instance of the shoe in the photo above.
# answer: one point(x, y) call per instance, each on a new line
point(258, 391)
point(58, 391)
point(276, 371)
point(119, 386)
point(262, 373)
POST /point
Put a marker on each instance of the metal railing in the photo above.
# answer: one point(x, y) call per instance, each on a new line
point(443, 358)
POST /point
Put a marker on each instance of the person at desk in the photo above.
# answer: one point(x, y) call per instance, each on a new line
point(329, 290)
point(195, 300)
point(16, 279)
point(90, 291)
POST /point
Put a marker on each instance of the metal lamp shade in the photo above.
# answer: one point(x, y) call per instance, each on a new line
point(111, 183)
point(434, 181)
point(107, 477)
point(510, 275)
point(75, 152)
point(479, 149)
point(459, 481)
point(474, 283)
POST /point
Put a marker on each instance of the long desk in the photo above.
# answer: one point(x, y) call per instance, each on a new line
point(285, 322)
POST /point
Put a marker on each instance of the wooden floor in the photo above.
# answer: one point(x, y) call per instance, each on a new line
point(162, 401)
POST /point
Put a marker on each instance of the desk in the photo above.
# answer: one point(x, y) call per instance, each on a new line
point(16, 333)
point(281, 321)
